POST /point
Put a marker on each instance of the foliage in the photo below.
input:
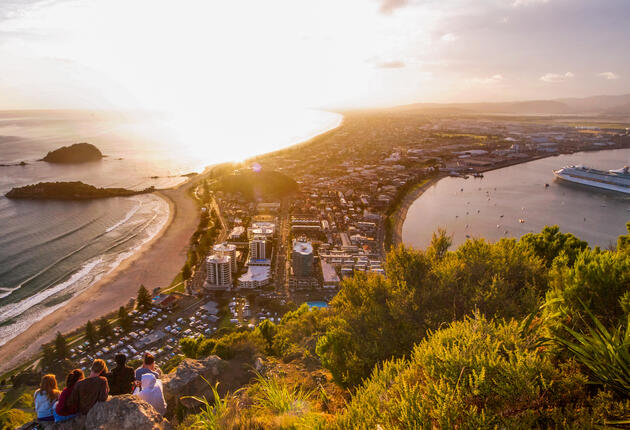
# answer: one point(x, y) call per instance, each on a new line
point(267, 330)
point(214, 413)
point(225, 346)
point(124, 319)
point(475, 374)
point(606, 353)
point(105, 330)
point(599, 279)
point(143, 301)
point(550, 243)
point(90, 333)
point(297, 334)
point(61, 346)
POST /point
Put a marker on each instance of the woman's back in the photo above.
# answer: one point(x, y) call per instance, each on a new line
point(43, 404)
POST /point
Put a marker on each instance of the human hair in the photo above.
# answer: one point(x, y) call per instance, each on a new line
point(148, 358)
point(99, 367)
point(73, 377)
point(121, 360)
point(48, 385)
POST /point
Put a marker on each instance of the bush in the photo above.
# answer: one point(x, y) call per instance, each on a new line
point(475, 374)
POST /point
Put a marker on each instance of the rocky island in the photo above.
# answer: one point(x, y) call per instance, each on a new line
point(74, 154)
point(69, 191)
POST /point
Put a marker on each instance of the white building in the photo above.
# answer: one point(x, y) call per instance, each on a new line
point(219, 272)
point(255, 277)
point(227, 250)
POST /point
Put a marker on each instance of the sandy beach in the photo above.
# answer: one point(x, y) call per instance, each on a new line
point(401, 213)
point(154, 265)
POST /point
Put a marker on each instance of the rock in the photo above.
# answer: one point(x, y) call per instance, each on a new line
point(188, 380)
point(77, 153)
point(125, 413)
point(77, 423)
point(259, 365)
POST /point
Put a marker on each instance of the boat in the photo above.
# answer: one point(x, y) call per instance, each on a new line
point(612, 180)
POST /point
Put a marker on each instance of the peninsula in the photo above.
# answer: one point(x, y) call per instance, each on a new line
point(74, 154)
point(69, 191)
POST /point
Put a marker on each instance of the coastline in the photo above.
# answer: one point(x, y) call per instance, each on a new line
point(401, 213)
point(169, 247)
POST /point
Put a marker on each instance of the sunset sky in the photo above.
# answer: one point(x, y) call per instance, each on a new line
point(193, 54)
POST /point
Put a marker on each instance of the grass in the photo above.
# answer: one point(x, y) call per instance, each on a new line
point(213, 413)
point(279, 398)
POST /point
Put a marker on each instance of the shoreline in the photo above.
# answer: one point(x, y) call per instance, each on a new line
point(169, 246)
point(401, 214)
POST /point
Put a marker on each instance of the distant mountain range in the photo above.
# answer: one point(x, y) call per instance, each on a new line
point(599, 105)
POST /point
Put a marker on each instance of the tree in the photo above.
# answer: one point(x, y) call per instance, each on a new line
point(124, 319)
point(49, 356)
point(144, 298)
point(186, 272)
point(90, 333)
point(61, 346)
point(104, 328)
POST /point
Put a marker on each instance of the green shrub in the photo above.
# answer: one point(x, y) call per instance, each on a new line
point(475, 374)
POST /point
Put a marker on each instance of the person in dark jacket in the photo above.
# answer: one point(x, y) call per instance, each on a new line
point(63, 411)
point(90, 390)
point(121, 378)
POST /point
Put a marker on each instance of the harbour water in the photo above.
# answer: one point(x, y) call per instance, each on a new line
point(513, 201)
point(52, 250)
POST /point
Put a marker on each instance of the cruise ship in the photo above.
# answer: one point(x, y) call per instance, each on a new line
point(613, 180)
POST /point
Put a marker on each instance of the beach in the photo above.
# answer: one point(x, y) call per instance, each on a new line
point(401, 214)
point(155, 264)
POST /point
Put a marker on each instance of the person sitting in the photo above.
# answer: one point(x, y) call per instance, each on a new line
point(121, 378)
point(63, 411)
point(152, 392)
point(45, 397)
point(148, 366)
point(93, 389)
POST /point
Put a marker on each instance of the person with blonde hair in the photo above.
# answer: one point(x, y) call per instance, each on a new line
point(87, 392)
point(45, 397)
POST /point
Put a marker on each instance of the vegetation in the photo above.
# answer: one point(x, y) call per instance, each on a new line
point(69, 191)
point(143, 302)
point(77, 153)
point(257, 185)
point(529, 333)
point(90, 333)
point(124, 319)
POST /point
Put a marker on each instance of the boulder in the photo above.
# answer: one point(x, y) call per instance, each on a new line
point(125, 413)
point(188, 380)
point(77, 423)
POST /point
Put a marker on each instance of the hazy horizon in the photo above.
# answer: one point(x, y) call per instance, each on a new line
point(212, 57)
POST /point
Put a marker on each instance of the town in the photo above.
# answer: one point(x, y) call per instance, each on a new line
point(286, 228)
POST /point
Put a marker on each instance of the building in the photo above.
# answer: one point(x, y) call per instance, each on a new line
point(302, 259)
point(255, 277)
point(258, 248)
point(227, 250)
point(236, 233)
point(219, 271)
point(329, 275)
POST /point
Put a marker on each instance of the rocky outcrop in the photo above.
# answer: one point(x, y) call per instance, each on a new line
point(188, 379)
point(69, 191)
point(119, 412)
point(125, 413)
point(77, 153)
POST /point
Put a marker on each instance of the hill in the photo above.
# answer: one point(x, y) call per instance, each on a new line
point(69, 191)
point(609, 105)
point(255, 185)
point(73, 154)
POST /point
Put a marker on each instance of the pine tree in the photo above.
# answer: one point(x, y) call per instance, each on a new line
point(90, 333)
point(144, 298)
point(186, 273)
point(61, 346)
point(104, 328)
point(124, 319)
point(49, 356)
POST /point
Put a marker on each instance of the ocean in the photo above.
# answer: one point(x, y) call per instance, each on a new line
point(494, 206)
point(53, 250)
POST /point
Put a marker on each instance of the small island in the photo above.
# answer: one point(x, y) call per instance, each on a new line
point(69, 191)
point(74, 154)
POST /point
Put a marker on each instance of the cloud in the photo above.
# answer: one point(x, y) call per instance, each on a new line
point(449, 37)
point(556, 77)
point(517, 3)
point(394, 64)
point(388, 6)
point(491, 80)
point(608, 75)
